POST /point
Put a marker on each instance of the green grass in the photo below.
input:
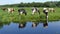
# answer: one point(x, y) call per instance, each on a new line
point(6, 17)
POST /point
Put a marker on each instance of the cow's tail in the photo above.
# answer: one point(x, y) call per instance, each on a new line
point(19, 12)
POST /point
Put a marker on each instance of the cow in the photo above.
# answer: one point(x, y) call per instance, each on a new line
point(45, 11)
point(51, 9)
point(10, 10)
point(4, 9)
point(22, 11)
point(34, 10)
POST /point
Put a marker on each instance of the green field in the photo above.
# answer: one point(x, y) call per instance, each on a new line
point(15, 17)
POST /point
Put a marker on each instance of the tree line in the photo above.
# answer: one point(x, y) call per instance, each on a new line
point(35, 4)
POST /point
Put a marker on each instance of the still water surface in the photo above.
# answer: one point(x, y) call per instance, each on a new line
point(31, 28)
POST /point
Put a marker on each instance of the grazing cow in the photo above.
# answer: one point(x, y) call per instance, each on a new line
point(22, 11)
point(10, 10)
point(34, 10)
point(4, 9)
point(45, 11)
point(51, 9)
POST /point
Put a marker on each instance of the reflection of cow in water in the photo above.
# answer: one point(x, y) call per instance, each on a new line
point(34, 24)
point(22, 11)
point(10, 10)
point(45, 24)
point(34, 10)
point(22, 25)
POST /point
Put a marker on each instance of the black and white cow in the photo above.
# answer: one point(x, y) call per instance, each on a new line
point(34, 10)
point(22, 11)
point(45, 11)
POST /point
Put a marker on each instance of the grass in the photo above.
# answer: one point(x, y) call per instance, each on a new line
point(6, 17)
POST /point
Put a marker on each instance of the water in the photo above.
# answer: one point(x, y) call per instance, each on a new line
point(30, 28)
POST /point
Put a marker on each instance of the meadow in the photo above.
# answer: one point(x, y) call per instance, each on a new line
point(15, 17)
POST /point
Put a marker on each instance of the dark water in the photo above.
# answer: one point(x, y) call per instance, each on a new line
point(30, 28)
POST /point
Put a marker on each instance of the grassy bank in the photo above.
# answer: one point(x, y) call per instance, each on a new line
point(6, 17)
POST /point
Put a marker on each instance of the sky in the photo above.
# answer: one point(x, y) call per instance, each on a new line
point(3, 2)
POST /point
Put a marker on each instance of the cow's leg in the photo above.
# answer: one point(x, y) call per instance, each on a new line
point(50, 10)
point(53, 10)
point(33, 12)
point(38, 11)
point(12, 11)
point(21, 13)
point(25, 13)
point(8, 11)
point(46, 14)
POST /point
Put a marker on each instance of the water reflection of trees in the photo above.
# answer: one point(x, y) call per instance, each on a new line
point(1, 25)
point(4, 23)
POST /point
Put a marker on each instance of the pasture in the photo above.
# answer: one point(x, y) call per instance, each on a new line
point(15, 17)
